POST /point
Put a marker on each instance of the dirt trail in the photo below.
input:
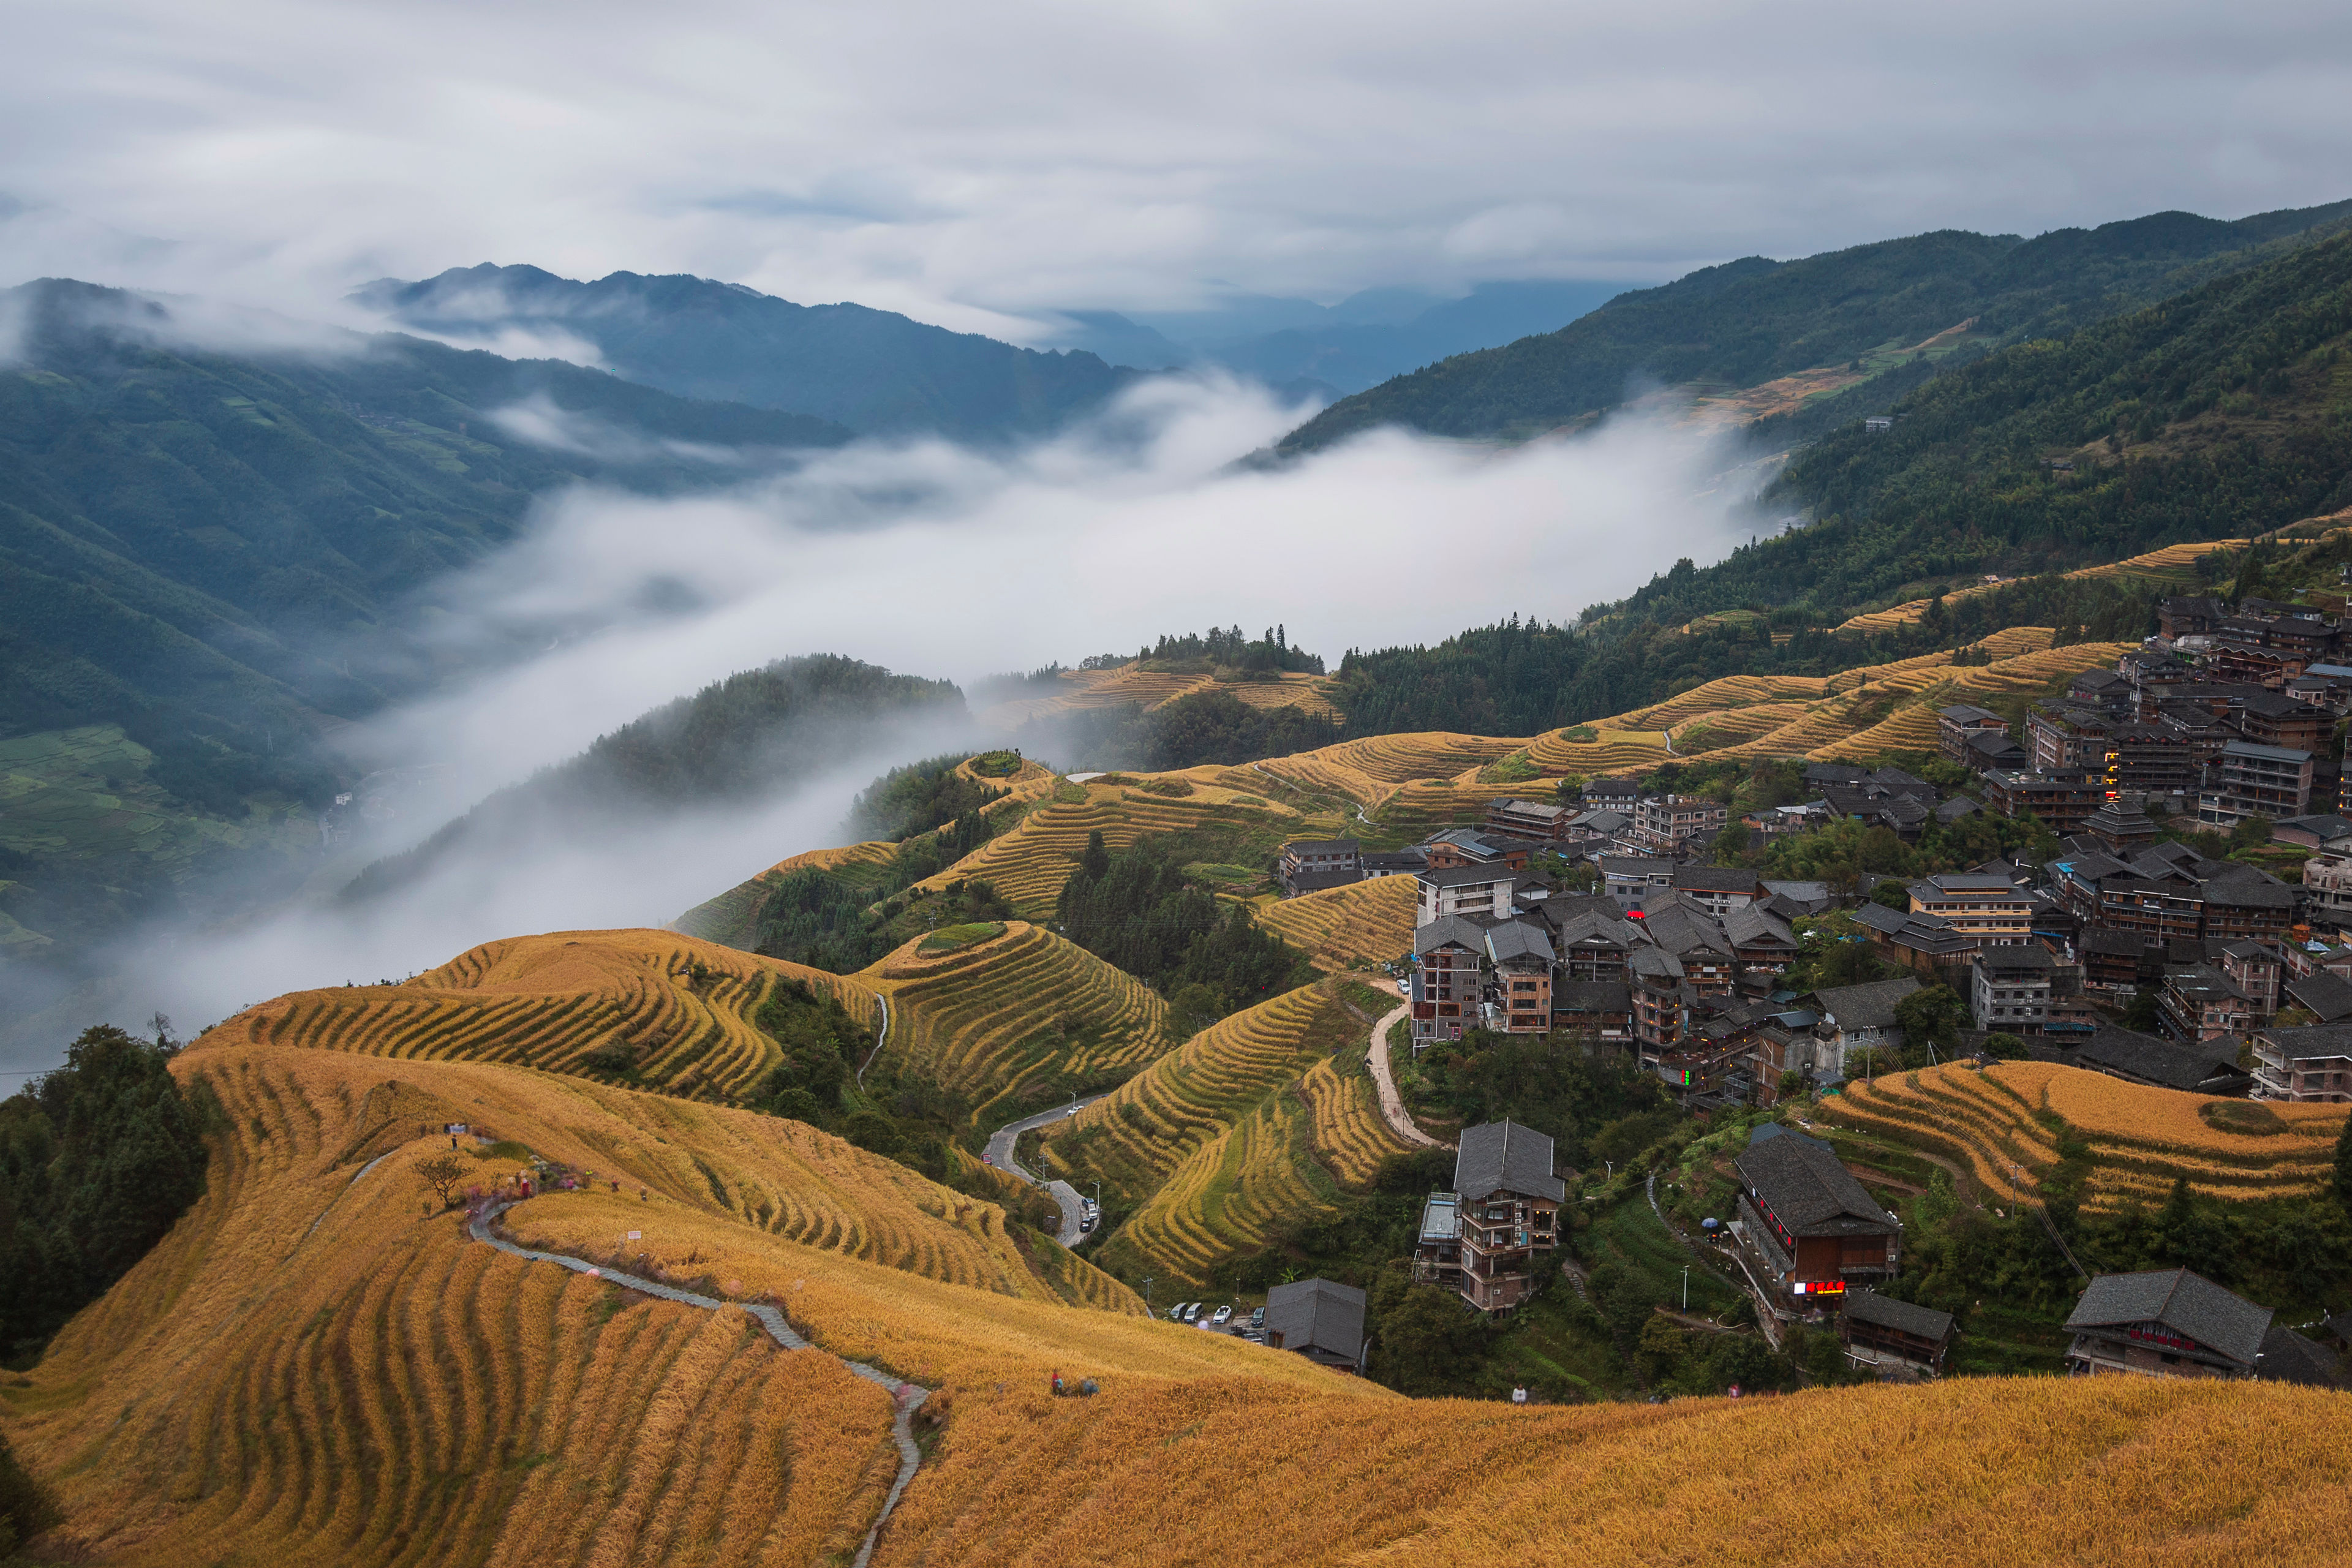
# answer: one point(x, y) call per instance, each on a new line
point(1392, 1103)
point(906, 1398)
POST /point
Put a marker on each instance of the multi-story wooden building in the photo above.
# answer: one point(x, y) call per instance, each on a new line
point(1956, 723)
point(1990, 907)
point(1540, 822)
point(2165, 1322)
point(1509, 1211)
point(2198, 1003)
point(1809, 1223)
point(1521, 958)
point(2061, 804)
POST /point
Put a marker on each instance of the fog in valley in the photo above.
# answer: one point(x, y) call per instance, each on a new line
point(931, 560)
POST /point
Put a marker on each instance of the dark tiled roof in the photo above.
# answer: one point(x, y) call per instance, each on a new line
point(1870, 1307)
point(1497, 1156)
point(2313, 1042)
point(2328, 996)
point(2145, 1059)
point(1520, 939)
point(1655, 963)
point(2288, 1357)
point(1323, 846)
point(1449, 929)
point(1320, 1313)
point(1870, 1007)
point(1754, 924)
point(1315, 881)
point(1463, 876)
point(1810, 1191)
point(1716, 879)
point(2187, 1303)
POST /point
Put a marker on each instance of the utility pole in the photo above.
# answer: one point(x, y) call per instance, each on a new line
point(1685, 1287)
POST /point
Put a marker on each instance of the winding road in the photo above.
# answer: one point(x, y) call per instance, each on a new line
point(1393, 1108)
point(906, 1398)
point(881, 1036)
point(1001, 1144)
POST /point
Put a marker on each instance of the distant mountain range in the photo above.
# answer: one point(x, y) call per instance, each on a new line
point(1869, 310)
point(1301, 346)
point(876, 372)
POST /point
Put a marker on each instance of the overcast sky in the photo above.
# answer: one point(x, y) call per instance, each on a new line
point(969, 164)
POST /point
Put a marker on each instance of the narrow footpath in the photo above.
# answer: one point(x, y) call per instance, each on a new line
point(1392, 1103)
point(1001, 1144)
point(906, 1398)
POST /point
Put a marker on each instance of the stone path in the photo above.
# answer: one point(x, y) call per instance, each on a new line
point(906, 1398)
point(1391, 1102)
point(1000, 1145)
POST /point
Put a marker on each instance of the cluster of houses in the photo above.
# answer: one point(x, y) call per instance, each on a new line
point(2221, 718)
point(1813, 1244)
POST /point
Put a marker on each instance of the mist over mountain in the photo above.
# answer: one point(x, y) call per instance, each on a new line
point(1866, 308)
point(877, 371)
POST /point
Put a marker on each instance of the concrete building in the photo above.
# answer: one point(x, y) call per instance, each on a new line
point(2312, 1063)
point(2009, 988)
point(2256, 781)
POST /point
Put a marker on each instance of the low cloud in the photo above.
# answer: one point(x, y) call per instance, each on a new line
point(938, 561)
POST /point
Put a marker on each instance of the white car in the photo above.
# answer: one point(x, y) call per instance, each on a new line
point(1224, 1315)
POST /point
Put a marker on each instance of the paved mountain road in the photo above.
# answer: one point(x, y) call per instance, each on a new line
point(1392, 1103)
point(1000, 1154)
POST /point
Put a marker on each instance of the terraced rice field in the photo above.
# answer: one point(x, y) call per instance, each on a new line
point(2141, 1139)
point(1022, 1015)
point(1856, 713)
point(1232, 1196)
point(1368, 770)
point(732, 918)
point(1343, 928)
point(1134, 1138)
point(1029, 864)
point(2174, 565)
point(1351, 1137)
point(547, 1001)
point(308, 1370)
point(1087, 689)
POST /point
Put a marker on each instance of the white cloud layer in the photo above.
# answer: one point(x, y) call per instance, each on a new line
point(974, 164)
point(932, 559)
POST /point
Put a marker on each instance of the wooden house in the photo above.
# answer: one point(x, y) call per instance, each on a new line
point(1509, 1211)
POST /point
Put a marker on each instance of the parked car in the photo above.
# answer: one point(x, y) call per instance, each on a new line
point(1257, 1320)
point(1224, 1315)
point(1086, 1223)
point(1192, 1311)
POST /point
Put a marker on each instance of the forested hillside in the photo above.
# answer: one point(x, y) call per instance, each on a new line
point(2225, 412)
point(1750, 320)
point(736, 740)
point(875, 371)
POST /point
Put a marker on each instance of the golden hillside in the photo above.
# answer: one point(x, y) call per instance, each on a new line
point(1021, 1011)
point(1856, 713)
point(2141, 1139)
point(548, 1001)
point(308, 1370)
point(733, 916)
point(1029, 865)
point(2173, 567)
point(1343, 928)
point(1077, 690)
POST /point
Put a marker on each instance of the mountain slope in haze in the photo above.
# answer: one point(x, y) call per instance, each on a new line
point(875, 371)
point(736, 741)
point(1752, 321)
point(203, 551)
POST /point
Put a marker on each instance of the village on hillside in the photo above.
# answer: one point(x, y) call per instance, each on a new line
point(2175, 912)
